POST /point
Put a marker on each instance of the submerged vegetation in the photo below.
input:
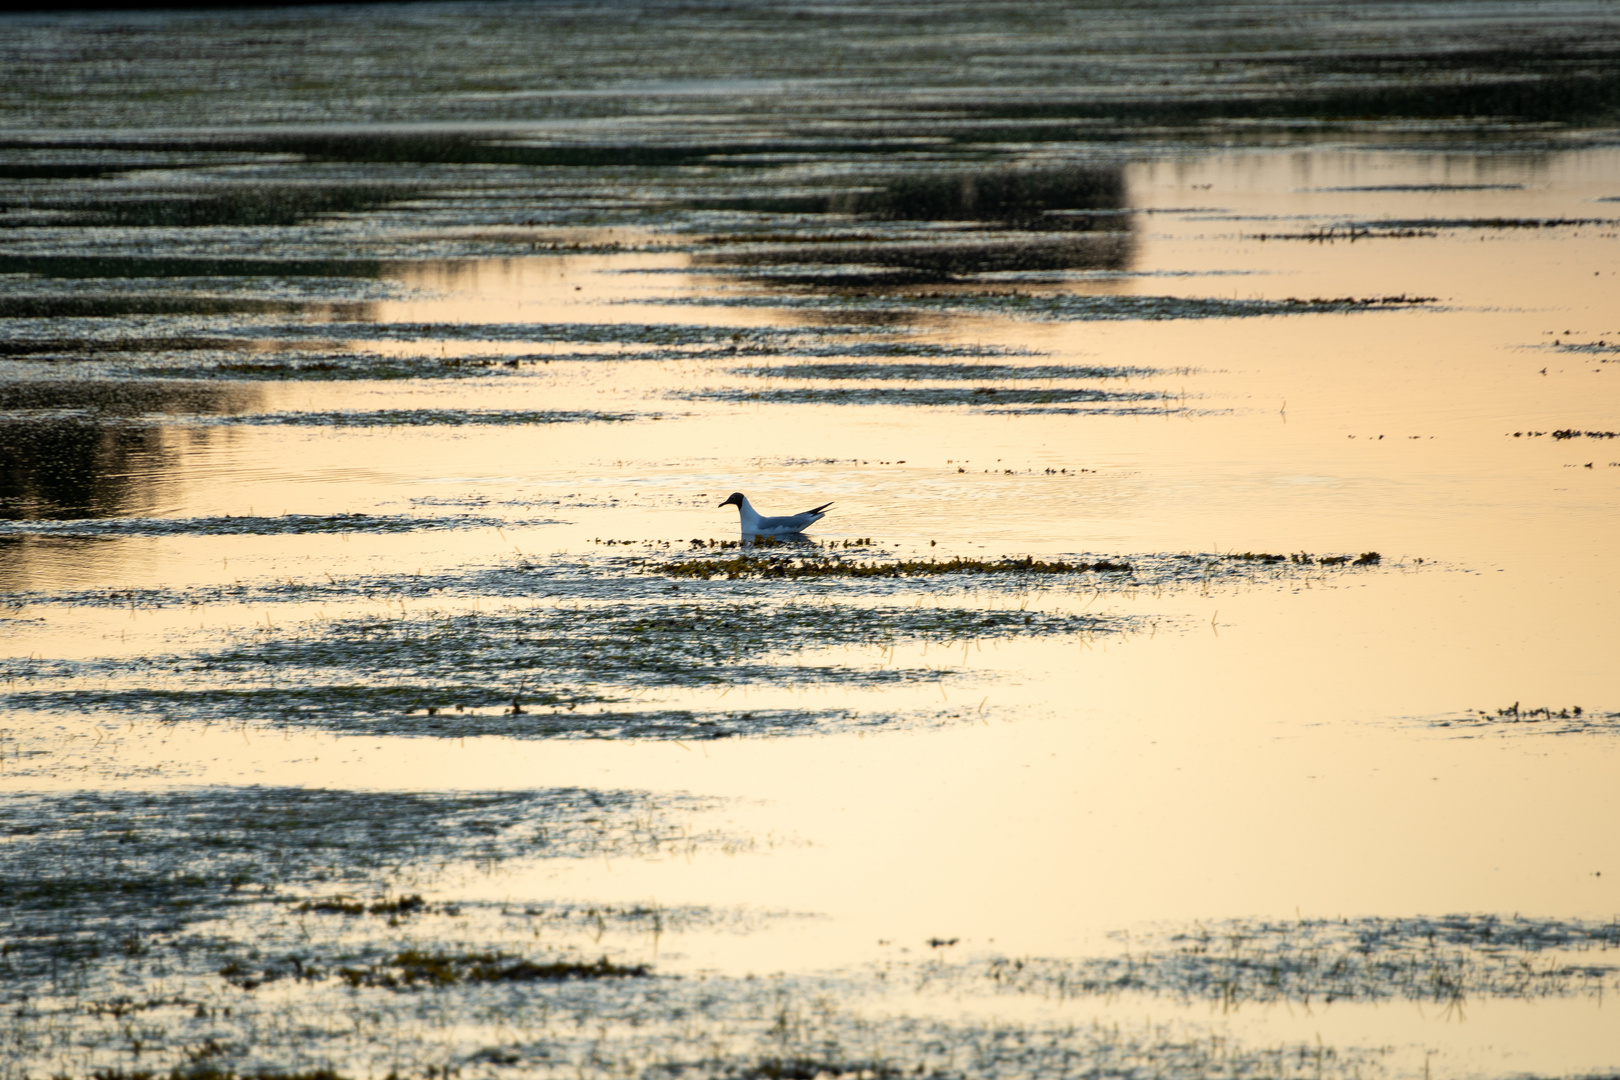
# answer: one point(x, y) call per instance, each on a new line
point(831, 566)
point(357, 227)
point(1447, 960)
point(357, 673)
point(1544, 719)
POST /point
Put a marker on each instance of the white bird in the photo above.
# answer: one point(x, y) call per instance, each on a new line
point(756, 526)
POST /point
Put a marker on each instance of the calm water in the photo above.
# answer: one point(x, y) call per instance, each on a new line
point(369, 382)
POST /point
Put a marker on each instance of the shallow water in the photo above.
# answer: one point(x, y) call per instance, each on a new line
point(363, 484)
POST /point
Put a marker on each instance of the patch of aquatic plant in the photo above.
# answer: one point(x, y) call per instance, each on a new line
point(348, 905)
point(1305, 558)
point(625, 578)
point(194, 1070)
point(1445, 960)
point(113, 305)
point(163, 928)
point(1496, 223)
point(467, 710)
point(1544, 719)
point(778, 1027)
point(831, 566)
point(248, 525)
point(122, 397)
point(934, 259)
point(413, 968)
point(1025, 198)
point(174, 849)
point(1601, 345)
point(1415, 228)
point(424, 418)
point(664, 334)
point(941, 372)
point(1332, 234)
point(83, 875)
point(1081, 308)
point(84, 347)
point(1568, 433)
point(937, 396)
point(216, 204)
point(187, 266)
point(347, 673)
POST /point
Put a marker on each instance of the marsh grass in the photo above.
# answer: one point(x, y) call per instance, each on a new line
point(251, 525)
point(194, 930)
point(757, 566)
point(1447, 960)
point(919, 372)
point(376, 418)
point(412, 968)
point(936, 396)
point(1543, 720)
point(1054, 306)
point(419, 674)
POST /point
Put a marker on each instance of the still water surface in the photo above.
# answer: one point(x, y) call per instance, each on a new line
point(1293, 744)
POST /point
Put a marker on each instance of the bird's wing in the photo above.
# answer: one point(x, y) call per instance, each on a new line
point(791, 522)
point(788, 523)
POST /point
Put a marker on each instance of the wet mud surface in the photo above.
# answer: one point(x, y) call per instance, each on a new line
point(1089, 321)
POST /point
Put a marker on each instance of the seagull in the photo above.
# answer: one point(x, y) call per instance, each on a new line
point(756, 526)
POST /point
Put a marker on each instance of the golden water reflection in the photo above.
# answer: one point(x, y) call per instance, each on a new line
point(1263, 752)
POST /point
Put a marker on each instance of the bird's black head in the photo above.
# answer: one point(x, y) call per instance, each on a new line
point(735, 500)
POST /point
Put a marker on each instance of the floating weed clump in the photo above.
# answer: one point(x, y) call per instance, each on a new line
point(917, 372)
point(227, 844)
point(1070, 307)
point(193, 1070)
point(1568, 433)
point(413, 968)
point(977, 396)
point(250, 525)
point(1305, 558)
point(378, 673)
point(1443, 960)
point(97, 887)
point(758, 566)
point(1544, 719)
point(166, 930)
point(348, 905)
point(425, 418)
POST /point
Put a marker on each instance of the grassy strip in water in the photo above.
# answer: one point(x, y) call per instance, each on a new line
point(1568, 433)
point(625, 578)
point(413, 968)
point(112, 305)
point(221, 204)
point(833, 566)
point(828, 566)
point(248, 525)
point(422, 418)
point(462, 711)
point(346, 672)
point(1067, 307)
point(935, 396)
point(1545, 720)
point(939, 372)
point(172, 266)
point(1443, 960)
point(150, 851)
point(87, 876)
